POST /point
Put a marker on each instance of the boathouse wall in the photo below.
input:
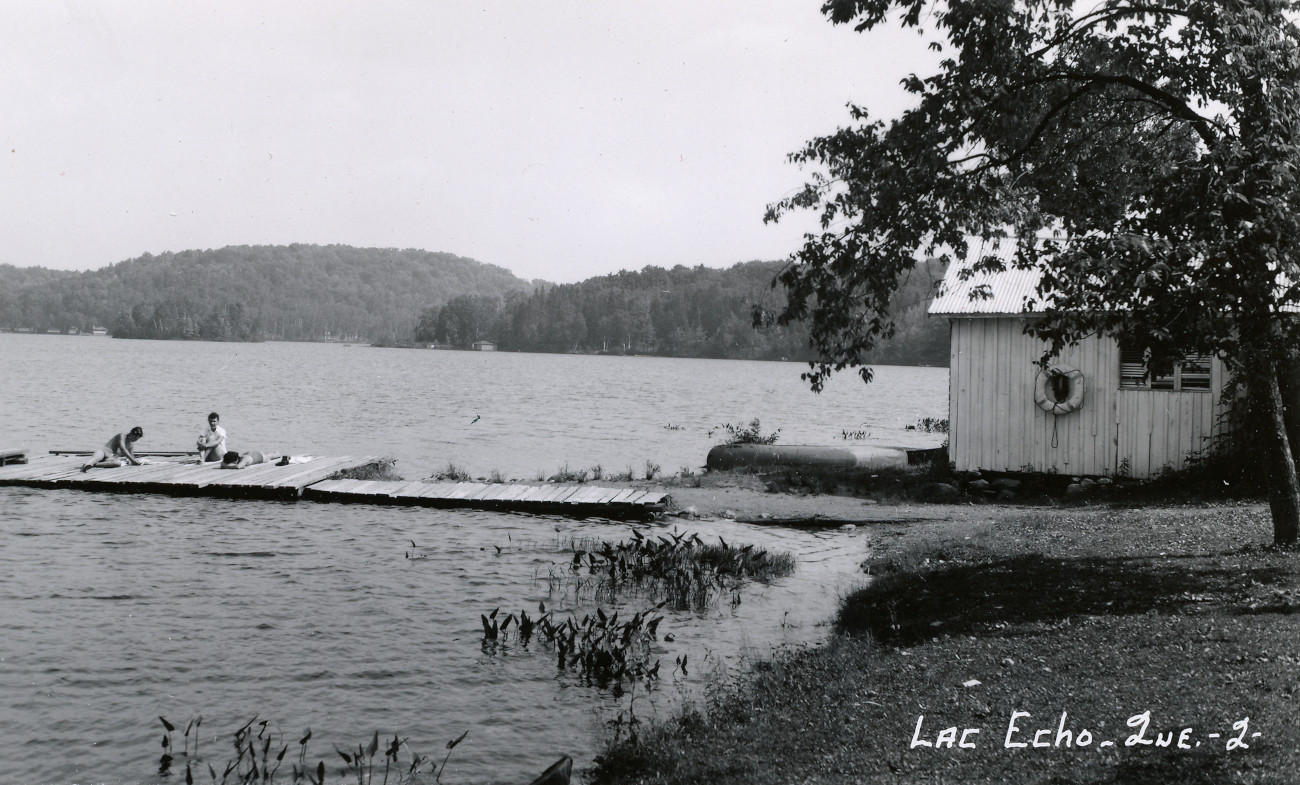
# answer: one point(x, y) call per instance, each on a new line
point(995, 425)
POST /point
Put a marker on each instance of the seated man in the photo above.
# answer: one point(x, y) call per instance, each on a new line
point(212, 442)
point(234, 460)
point(117, 448)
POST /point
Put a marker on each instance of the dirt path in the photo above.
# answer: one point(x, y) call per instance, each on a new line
point(745, 498)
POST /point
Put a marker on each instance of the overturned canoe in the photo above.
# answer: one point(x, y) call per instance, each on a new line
point(731, 456)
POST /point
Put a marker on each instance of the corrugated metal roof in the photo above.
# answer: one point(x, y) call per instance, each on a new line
point(987, 293)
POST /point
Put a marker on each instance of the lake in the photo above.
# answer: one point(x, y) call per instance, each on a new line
point(115, 609)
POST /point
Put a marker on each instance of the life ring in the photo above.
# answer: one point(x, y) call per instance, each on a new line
point(1059, 390)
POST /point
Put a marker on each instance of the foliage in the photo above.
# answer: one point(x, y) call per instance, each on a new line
point(931, 425)
point(1143, 157)
point(680, 570)
point(679, 312)
point(569, 475)
point(452, 473)
point(747, 434)
point(261, 749)
point(391, 297)
point(294, 292)
point(599, 648)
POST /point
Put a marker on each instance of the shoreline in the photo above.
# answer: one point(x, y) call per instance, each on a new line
point(1084, 616)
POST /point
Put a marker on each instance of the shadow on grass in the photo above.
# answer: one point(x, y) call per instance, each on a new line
point(903, 608)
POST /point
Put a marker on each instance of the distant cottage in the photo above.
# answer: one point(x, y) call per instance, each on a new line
point(484, 346)
point(1094, 411)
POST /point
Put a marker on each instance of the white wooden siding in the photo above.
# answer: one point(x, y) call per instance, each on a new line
point(994, 424)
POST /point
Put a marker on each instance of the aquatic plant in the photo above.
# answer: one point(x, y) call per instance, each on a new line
point(597, 473)
point(651, 469)
point(746, 434)
point(495, 476)
point(930, 425)
point(260, 750)
point(452, 473)
point(600, 648)
point(680, 569)
point(569, 475)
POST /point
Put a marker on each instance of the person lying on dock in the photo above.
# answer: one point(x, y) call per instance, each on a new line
point(212, 442)
point(118, 448)
point(235, 460)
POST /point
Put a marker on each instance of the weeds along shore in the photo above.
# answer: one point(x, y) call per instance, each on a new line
point(1172, 627)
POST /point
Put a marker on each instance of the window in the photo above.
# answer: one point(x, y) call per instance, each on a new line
point(1191, 375)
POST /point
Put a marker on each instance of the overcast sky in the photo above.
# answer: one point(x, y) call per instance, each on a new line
point(560, 140)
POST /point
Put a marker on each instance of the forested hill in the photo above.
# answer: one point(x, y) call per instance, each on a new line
point(295, 292)
point(680, 312)
point(400, 297)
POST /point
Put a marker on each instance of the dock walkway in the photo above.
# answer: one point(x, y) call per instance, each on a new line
point(178, 477)
point(310, 479)
point(519, 497)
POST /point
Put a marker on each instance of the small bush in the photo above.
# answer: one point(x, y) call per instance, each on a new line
point(569, 475)
point(452, 473)
point(746, 434)
point(930, 425)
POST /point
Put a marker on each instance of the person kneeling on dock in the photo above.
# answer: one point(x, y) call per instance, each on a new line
point(234, 460)
point(118, 448)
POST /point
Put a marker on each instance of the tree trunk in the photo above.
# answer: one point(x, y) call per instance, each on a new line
point(1284, 484)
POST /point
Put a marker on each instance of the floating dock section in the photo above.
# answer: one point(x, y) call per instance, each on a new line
point(177, 477)
point(311, 479)
point(519, 497)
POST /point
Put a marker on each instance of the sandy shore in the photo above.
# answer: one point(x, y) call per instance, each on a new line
point(744, 497)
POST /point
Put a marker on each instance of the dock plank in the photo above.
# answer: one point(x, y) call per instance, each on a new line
point(438, 490)
point(566, 492)
point(623, 495)
point(583, 495)
point(464, 490)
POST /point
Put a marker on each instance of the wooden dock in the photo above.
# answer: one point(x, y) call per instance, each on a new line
point(177, 477)
point(310, 479)
point(585, 500)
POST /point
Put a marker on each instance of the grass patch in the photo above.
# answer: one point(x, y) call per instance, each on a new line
point(383, 469)
point(1100, 614)
point(451, 473)
point(569, 475)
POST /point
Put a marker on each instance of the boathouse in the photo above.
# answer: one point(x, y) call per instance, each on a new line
point(1095, 411)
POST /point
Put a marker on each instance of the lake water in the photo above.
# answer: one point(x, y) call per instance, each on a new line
point(115, 609)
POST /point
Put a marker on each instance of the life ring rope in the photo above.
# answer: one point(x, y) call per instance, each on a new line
point(1045, 393)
